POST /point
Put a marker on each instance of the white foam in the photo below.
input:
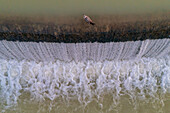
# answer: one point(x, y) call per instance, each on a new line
point(84, 80)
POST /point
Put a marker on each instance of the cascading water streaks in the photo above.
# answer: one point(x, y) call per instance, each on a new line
point(67, 52)
point(143, 79)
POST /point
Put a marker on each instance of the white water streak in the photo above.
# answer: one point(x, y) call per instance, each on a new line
point(143, 79)
point(84, 70)
point(84, 51)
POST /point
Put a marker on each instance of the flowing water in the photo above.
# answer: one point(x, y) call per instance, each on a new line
point(115, 86)
point(73, 84)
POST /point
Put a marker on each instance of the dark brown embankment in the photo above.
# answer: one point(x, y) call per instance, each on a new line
point(112, 28)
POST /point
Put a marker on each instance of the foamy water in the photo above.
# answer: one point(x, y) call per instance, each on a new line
point(145, 79)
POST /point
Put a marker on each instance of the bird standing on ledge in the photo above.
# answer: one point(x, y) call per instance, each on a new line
point(88, 20)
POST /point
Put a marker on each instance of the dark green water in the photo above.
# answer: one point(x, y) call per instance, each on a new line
point(67, 7)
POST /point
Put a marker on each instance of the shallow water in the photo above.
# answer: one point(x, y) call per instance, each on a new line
point(124, 86)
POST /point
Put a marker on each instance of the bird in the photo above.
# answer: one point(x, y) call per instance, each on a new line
point(88, 19)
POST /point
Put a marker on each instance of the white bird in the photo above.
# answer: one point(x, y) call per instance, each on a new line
point(88, 20)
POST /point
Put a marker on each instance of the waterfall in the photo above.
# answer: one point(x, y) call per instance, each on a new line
point(84, 51)
point(83, 71)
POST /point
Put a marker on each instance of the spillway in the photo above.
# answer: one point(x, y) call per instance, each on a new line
point(44, 51)
point(82, 74)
